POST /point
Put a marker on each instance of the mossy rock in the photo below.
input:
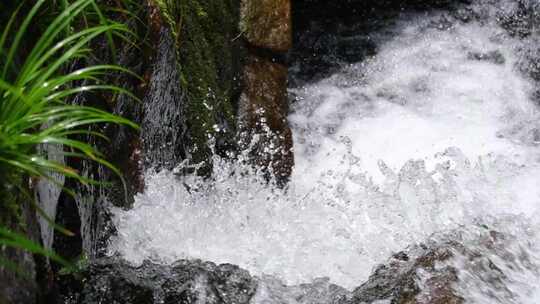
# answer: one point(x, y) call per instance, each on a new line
point(210, 59)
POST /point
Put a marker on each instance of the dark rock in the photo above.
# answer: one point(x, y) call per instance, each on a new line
point(211, 59)
point(262, 114)
point(321, 291)
point(267, 24)
point(115, 283)
point(439, 271)
point(68, 246)
point(111, 280)
point(187, 91)
point(445, 268)
point(18, 285)
point(263, 106)
point(397, 280)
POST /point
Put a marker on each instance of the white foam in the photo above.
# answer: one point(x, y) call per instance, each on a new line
point(422, 95)
point(430, 140)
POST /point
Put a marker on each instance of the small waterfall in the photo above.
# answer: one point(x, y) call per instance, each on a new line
point(47, 193)
point(164, 124)
point(437, 131)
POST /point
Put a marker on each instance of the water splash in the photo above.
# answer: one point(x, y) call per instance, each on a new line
point(339, 229)
point(434, 132)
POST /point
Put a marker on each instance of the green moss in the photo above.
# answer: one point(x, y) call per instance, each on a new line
point(10, 206)
point(205, 32)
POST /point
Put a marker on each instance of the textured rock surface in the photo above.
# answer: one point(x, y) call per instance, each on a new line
point(267, 24)
point(263, 107)
point(113, 281)
point(446, 269)
point(262, 117)
point(466, 265)
point(211, 59)
point(397, 280)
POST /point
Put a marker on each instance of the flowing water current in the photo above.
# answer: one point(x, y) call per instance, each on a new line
point(436, 132)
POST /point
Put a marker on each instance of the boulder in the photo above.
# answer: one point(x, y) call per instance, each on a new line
point(262, 114)
point(397, 280)
point(267, 24)
point(112, 280)
point(479, 264)
point(263, 106)
point(476, 264)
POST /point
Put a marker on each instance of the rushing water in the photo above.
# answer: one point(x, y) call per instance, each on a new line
point(435, 132)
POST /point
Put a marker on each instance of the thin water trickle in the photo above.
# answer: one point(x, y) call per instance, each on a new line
point(434, 133)
point(47, 194)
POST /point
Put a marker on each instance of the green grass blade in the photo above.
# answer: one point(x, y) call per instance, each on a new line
point(18, 37)
point(16, 240)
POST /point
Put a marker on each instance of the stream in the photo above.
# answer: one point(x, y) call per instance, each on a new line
point(437, 132)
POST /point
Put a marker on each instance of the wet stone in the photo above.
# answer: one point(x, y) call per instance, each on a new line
point(438, 271)
point(112, 280)
point(262, 115)
point(267, 24)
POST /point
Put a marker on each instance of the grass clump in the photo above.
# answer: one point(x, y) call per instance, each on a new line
point(37, 85)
